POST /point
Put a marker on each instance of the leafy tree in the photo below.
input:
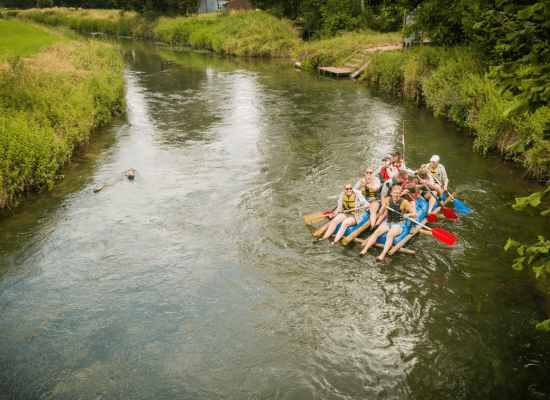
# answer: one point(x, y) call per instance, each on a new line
point(153, 8)
point(449, 22)
point(524, 45)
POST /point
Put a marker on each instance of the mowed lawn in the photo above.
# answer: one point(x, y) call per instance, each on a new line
point(23, 39)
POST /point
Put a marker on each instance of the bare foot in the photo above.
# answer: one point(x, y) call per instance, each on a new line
point(380, 258)
point(363, 252)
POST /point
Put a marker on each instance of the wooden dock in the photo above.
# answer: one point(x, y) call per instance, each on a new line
point(338, 72)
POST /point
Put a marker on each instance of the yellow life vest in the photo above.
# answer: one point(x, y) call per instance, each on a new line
point(434, 172)
point(349, 202)
point(369, 194)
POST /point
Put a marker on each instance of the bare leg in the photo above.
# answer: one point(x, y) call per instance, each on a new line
point(349, 221)
point(373, 207)
point(431, 201)
point(333, 224)
point(392, 233)
point(372, 238)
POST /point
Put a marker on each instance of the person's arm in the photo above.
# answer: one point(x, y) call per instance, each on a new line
point(383, 212)
point(408, 210)
point(339, 206)
point(444, 179)
point(385, 190)
point(375, 186)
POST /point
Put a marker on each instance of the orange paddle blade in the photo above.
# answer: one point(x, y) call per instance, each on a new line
point(317, 217)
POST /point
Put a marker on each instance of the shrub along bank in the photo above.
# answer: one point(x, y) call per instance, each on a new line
point(50, 102)
point(453, 83)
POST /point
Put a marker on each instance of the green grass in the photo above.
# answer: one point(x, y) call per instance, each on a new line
point(50, 102)
point(23, 39)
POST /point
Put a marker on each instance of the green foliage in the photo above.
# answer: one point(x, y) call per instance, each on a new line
point(537, 253)
point(524, 45)
point(544, 326)
point(46, 112)
point(449, 22)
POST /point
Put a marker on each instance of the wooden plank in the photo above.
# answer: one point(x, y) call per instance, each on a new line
point(336, 71)
point(380, 245)
point(360, 70)
point(319, 232)
point(355, 233)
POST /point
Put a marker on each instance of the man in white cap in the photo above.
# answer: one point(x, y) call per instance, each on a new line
point(439, 173)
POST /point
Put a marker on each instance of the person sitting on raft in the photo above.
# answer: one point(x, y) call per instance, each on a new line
point(370, 186)
point(397, 164)
point(385, 169)
point(350, 199)
point(397, 180)
point(440, 174)
point(410, 193)
point(395, 222)
point(424, 180)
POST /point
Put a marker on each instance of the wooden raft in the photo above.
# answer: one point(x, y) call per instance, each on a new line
point(395, 248)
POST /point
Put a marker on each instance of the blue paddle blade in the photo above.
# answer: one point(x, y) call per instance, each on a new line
point(443, 197)
point(461, 207)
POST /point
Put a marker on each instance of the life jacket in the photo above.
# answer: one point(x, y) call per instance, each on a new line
point(434, 172)
point(393, 216)
point(369, 194)
point(383, 175)
point(348, 202)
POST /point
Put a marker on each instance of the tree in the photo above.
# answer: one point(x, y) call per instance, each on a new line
point(524, 45)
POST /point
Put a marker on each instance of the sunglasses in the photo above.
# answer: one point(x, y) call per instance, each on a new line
point(369, 172)
point(349, 188)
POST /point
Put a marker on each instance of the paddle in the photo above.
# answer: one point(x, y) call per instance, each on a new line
point(447, 212)
point(439, 234)
point(460, 206)
point(317, 217)
point(431, 217)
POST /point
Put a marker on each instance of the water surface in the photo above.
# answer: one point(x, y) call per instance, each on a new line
point(199, 278)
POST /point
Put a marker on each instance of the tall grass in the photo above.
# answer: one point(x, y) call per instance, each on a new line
point(452, 82)
point(49, 103)
point(244, 34)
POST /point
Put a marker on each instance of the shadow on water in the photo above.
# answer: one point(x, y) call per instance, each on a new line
point(200, 279)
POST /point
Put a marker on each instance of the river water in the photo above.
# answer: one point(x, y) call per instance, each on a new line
point(199, 279)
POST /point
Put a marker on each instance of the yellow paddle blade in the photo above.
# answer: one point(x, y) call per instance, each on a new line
point(313, 218)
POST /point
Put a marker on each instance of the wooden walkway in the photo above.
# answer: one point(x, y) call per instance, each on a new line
point(335, 71)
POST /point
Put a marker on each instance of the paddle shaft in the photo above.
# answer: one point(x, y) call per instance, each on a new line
point(410, 219)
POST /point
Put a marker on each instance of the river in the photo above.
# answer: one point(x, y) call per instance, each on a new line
point(200, 280)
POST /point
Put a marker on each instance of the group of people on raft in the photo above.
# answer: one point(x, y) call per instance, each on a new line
point(387, 213)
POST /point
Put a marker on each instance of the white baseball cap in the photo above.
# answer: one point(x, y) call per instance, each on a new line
point(435, 158)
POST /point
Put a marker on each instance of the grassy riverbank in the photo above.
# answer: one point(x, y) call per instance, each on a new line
point(256, 33)
point(452, 82)
point(53, 94)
